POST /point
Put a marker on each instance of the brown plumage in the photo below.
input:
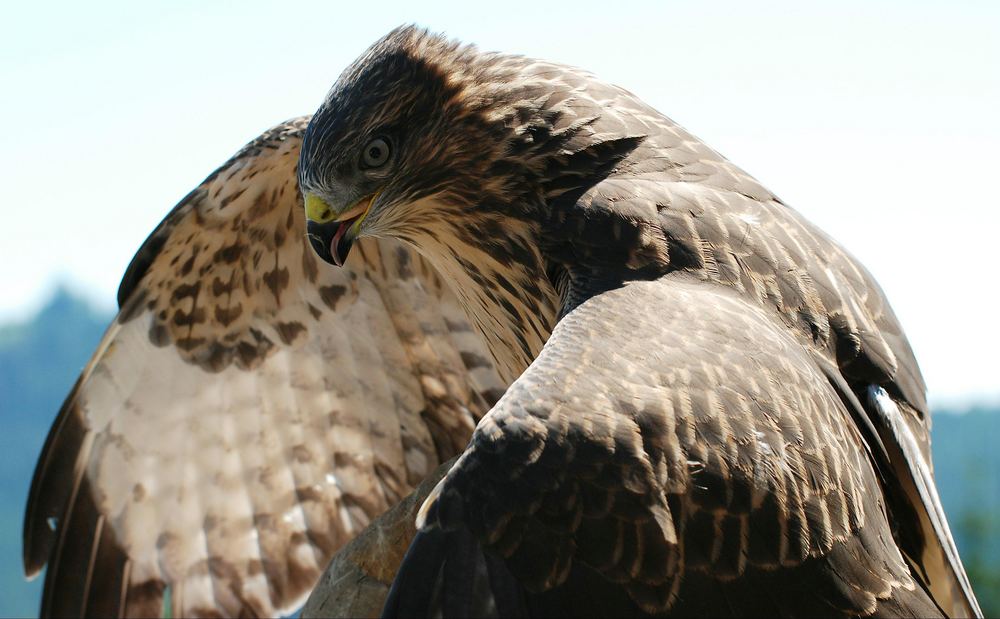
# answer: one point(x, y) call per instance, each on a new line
point(249, 411)
point(721, 414)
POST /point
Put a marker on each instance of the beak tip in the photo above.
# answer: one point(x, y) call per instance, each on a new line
point(332, 235)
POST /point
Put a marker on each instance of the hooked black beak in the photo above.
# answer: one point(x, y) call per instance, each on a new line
point(332, 235)
point(331, 241)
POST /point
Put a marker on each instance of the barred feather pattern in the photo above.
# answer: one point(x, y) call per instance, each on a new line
point(249, 411)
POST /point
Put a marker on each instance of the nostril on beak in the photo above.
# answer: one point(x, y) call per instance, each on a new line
point(317, 209)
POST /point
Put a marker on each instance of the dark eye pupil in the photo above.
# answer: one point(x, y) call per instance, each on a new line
point(376, 153)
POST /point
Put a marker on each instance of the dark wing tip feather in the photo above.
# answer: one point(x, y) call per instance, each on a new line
point(87, 575)
point(109, 577)
point(64, 527)
point(52, 484)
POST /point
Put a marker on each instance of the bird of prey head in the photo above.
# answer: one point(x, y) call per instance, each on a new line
point(479, 160)
point(422, 134)
point(405, 142)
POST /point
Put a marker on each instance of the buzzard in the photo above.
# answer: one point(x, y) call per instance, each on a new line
point(711, 408)
point(249, 410)
point(719, 414)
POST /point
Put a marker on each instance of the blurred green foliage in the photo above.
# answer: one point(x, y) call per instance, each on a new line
point(40, 359)
point(967, 470)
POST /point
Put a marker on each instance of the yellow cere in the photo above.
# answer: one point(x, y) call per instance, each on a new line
point(318, 210)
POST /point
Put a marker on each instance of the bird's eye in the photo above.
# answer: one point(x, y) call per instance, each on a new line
point(376, 153)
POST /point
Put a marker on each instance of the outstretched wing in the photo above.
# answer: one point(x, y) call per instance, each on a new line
point(248, 411)
point(673, 448)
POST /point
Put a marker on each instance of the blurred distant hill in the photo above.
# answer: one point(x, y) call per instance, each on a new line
point(40, 359)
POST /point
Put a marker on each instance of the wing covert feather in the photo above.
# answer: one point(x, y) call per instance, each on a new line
point(249, 411)
point(719, 225)
point(695, 446)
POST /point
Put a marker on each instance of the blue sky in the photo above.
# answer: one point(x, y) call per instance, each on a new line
point(878, 122)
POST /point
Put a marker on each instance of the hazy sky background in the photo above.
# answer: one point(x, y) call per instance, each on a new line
point(880, 123)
